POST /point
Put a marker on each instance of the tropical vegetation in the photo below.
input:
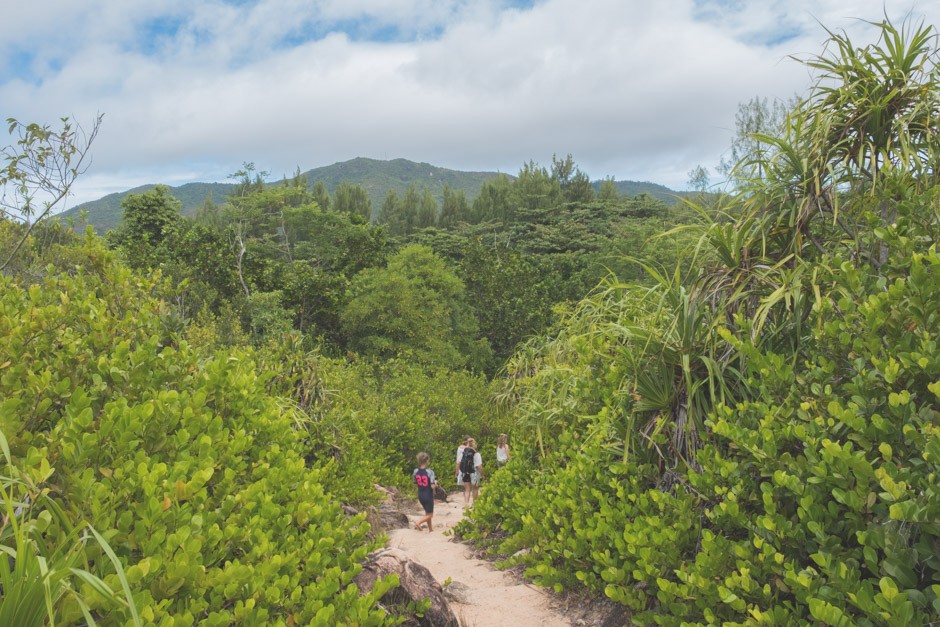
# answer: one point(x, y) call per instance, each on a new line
point(721, 411)
point(757, 441)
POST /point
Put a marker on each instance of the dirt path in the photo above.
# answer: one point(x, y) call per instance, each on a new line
point(494, 598)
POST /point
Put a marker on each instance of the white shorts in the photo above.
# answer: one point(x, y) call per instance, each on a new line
point(474, 479)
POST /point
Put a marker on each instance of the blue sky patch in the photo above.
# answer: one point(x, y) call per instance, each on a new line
point(520, 4)
point(157, 35)
point(783, 35)
point(24, 65)
point(725, 13)
point(19, 64)
point(153, 35)
point(361, 29)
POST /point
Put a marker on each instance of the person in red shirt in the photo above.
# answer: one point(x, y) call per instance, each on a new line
point(424, 479)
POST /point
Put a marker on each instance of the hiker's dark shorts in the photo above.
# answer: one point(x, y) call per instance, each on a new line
point(427, 502)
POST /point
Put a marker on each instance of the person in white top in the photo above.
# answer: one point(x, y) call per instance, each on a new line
point(471, 480)
point(460, 449)
point(502, 450)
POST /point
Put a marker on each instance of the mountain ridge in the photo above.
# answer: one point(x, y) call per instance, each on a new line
point(375, 175)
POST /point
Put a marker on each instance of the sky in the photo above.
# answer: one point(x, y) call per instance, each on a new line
point(191, 89)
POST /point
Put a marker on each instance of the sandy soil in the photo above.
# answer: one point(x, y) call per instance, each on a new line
point(495, 598)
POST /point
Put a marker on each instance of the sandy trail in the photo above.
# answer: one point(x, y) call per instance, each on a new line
point(495, 598)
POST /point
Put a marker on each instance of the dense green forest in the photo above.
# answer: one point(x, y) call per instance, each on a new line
point(371, 178)
point(360, 181)
point(722, 411)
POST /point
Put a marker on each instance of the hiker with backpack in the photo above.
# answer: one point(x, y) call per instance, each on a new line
point(460, 449)
point(471, 472)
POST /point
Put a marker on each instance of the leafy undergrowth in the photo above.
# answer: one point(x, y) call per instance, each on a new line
point(818, 500)
point(182, 460)
point(759, 441)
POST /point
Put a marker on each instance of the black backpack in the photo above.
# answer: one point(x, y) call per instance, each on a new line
point(466, 462)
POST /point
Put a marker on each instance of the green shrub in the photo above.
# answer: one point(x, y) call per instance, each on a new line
point(761, 443)
point(185, 462)
point(815, 500)
point(43, 554)
point(392, 411)
point(834, 488)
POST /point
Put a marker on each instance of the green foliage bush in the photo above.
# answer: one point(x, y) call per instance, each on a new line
point(760, 445)
point(830, 499)
point(184, 461)
point(40, 573)
point(817, 500)
point(414, 308)
point(387, 413)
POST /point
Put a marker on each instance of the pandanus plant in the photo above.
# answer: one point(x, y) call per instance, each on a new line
point(865, 139)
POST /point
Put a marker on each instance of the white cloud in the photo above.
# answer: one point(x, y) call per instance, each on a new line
point(636, 90)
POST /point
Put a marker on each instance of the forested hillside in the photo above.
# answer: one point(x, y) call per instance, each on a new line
point(106, 212)
point(357, 181)
point(368, 180)
point(721, 411)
